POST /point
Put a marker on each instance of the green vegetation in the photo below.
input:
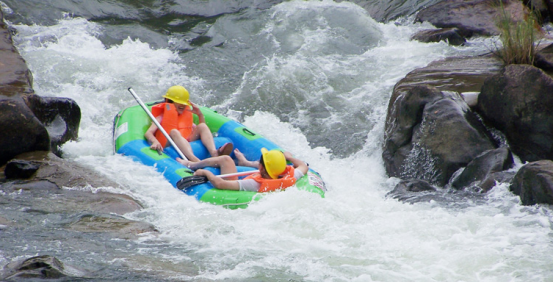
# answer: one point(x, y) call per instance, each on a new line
point(518, 38)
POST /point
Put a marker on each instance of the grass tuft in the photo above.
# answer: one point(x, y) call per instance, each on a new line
point(517, 37)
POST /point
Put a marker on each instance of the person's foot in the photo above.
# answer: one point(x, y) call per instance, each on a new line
point(226, 149)
point(186, 163)
point(241, 158)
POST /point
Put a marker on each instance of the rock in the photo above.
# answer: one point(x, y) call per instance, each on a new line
point(471, 17)
point(60, 116)
point(449, 35)
point(20, 169)
point(543, 59)
point(533, 183)
point(122, 227)
point(430, 134)
point(542, 7)
point(414, 185)
point(15, 77)
point(30, 185)
point(54, 173)
point(411, 189)
point(478, 172)
point(458, 74)
point(33, 123)
point(518, 102)
point(41, 267)
point(386, 10)
point(495, 178)
point(26, 132)
point(73, 200)
point(36, 124)
point(63, 173)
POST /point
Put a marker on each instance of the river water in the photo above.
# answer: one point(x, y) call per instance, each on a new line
point(315, 77)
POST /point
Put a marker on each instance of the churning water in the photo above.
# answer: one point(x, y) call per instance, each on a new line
point(315, 77)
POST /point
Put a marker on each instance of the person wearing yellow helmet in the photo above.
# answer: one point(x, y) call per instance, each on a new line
point(176, 117)
point(274, 173)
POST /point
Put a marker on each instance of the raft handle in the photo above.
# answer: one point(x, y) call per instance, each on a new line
point(245, 130)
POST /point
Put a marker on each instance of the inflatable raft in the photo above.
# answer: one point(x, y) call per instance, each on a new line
point(131, 123)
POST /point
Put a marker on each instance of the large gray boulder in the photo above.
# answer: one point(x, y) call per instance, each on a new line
point(518, 102)
point(430, 134)
point(23, 132)
point(60, 116)
point(29, 122)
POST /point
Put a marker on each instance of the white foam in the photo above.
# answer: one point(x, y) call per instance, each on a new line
point(354, 233)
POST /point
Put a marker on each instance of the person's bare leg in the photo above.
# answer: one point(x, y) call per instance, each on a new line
point(183, 145)
point(225, 164)
point(202, 132)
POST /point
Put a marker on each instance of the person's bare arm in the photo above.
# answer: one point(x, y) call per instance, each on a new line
point(196, 110)
point(296, 163)
point(151, 138)
point(218, 182)
point(243, 161)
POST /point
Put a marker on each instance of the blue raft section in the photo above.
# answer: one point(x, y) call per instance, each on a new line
point(173, 171)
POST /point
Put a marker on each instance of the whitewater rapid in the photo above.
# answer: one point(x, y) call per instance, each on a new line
point(322, 94)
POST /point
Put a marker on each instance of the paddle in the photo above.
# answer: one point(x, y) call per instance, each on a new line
point(155, 121)
point(189, 181)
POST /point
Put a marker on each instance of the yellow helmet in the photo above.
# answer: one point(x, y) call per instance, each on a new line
point(178, 94)
point(274, 162)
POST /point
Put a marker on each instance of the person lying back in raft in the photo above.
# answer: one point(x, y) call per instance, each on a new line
point(175, 116)
point(274, 172)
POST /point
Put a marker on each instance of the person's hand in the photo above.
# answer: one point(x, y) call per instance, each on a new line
point(195, 109)
point(202, 172)
point(156, 146)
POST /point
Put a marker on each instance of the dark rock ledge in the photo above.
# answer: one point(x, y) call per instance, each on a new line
point(25, 161)
point(34, 128)
point(456, 124)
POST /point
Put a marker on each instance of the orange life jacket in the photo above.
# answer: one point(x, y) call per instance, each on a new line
point(267, 185)
point(172, 120)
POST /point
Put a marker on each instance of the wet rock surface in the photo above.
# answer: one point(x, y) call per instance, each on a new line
point(43, 193)
point(15, 77)
point(34, 123)
point(510, 106)
point(60, 116)
point(413, 190)
point(450, 35)
point(458, 74)
point(51, 174)
point(40, 267)
point(480, 171)
point(518, 102)
point(543, 59)
point(471, 17)
point(431, 134)
point(533, 183)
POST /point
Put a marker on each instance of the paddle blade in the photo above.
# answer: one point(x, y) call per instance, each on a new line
point(189, 181)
